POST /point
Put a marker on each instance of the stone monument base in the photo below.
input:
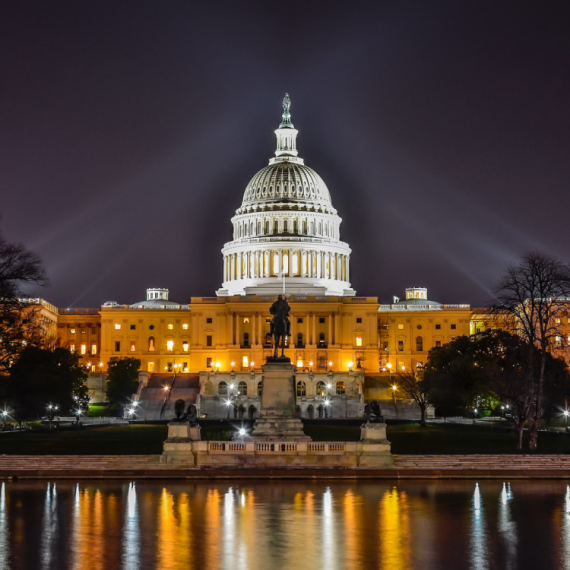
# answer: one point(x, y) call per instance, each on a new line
point(375, 447)
point(178, 447)
point(278, 428)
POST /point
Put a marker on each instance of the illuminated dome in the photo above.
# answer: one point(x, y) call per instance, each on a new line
point(286, 225)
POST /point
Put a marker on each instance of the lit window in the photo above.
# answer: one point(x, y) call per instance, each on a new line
point(117, 326)
point(185, 326)
point(72, 331)
point(246, 320)
point(93, 349)
point(419, 365)
point(133, 346)
point(401, 326)
point(321, 388)
point(557, 340)
point(151, 366)
point(72, 348)
point(185, 367)
point(299, 365)
point(185, 346)
point(340, 388)
point(245, 361)
point(242, 389)
point(83, 332)
point(170, 327)
point(83, 349)
point(151, 344)
point(359, 340)
point(301, 389)
point(169, 345)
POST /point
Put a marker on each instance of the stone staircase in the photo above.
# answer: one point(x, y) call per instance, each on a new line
point(156, 403)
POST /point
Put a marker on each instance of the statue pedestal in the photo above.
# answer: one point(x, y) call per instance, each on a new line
point(375, 446)
point(277, 419)
point(178, 447)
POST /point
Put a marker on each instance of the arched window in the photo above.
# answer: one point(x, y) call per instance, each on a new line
point(242, 389)
point(275, 227)
point(419, 344)
point(251, 412)
point(151, 344)
point(223, 388)
point(295, 227)
point(311, 412)
point(266, 227)
point(285, 227)
point(321, 388)
point(259, 388)
point(246, 339)
point(301, 389)
point(340, 388)
point(300, 340)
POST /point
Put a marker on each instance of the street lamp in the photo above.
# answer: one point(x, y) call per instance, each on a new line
point(330, 364)
point(350, 365)
point(394, 388)
point(566, 414)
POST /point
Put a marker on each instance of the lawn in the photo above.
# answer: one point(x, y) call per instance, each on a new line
point(147, 439)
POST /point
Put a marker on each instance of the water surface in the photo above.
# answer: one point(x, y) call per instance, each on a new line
point(293, 525)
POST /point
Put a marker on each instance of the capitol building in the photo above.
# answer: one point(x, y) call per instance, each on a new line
point(286, 237)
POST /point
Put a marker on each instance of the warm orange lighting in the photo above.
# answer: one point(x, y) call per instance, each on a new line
point(394, 387)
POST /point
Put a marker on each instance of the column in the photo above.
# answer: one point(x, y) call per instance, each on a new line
point(329, 339)
point(254, 329)
point(238, 329)
point(303, 263)
point(307, 337)
point(280, 260)
point(259, 321)
point(314, 339)
point(347, 268)
point(336, 315)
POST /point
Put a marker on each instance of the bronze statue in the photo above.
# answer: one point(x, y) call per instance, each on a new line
point(192, 415)
point(179, 406)
point(280, 324)
point(373, 412)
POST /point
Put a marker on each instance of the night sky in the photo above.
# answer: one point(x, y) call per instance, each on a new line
point(129, 131)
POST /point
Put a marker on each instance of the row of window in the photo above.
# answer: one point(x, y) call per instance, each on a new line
point(437, 326)
point(83, 348)
point(419, 344)
point(151, 345)
point(225, 389)
point(169, 326)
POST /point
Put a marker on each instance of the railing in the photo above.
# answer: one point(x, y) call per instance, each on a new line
point(286, 447)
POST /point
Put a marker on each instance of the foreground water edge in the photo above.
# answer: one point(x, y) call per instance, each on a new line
point(284, 524)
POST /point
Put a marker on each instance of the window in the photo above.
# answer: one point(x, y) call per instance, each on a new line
point(151, 366)
point(438, 343)
point(246, 320)
point(185, 367)
point(169, 345)
point(340, 388)
point(133, 346)
point(246, 339)
point(84, 348)
point(93, 349)
point(242, 389)
point(400, 346)
point(209, 362)
point(72, 348)
point(209, 340)
point(358, 320)
point(133, 327)
point(478, 330)
point(557, 321)
point(557, 342)
point(245, 362)
point(321, 320)
point(151, 327)
point(72, 331)
point(170, 326)
point(321, 339)
point(83, 332)
point(301, 389)
point(222, 386)
point(185, 326)
point(259, 388)
point(359, 340)
point(419, 365)
point(299, 322)
point(419, 344)
point(151, 344)
point(321, 388)
point(117, 326)
point(453, 327)
point(401, 327)
point(299, 363)
point(185, 345)
point(419, 327)
point(117, 346)
point(209, 320)
point(300, 340)
point(438, 327)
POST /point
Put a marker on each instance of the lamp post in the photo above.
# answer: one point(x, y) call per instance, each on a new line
point(4, 417)
point(566, 414)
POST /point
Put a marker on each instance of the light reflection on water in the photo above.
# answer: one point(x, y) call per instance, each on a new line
point(274, 525)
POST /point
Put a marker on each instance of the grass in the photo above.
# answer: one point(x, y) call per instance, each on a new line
point(147, 439)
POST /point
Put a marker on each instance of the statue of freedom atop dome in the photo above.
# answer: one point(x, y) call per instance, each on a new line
point(286, 122)
point(280, 324)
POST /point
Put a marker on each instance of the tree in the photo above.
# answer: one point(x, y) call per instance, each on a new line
point(18, 323)
point(534, 293)
point(455, 377)
point(122, 381)
point(41, 377)
point(414, 387)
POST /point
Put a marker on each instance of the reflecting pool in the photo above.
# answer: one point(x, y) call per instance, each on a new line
point(275, 524)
